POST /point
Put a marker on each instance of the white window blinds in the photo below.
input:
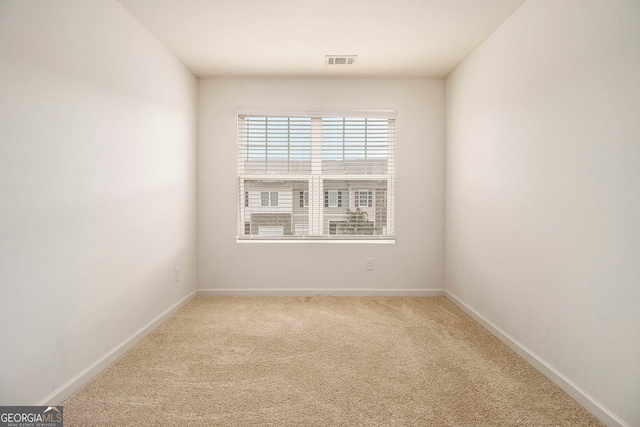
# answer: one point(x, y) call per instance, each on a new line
point(316, 177)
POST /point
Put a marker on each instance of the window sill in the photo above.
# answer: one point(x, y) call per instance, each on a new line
point(308, 240)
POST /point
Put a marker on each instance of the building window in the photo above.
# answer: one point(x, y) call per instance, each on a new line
point(363, 199)
point(269, 198)
point(333, 199)
point(304, 199)
point(327, 176)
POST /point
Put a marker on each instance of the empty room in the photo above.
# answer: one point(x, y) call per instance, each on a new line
point(320, 212)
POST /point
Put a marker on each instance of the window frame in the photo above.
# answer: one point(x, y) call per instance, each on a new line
point(317, 183)
point(271, 198)
point(368, 195)
point(337, 198)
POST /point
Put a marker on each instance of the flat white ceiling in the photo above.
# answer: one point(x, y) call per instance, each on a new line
point(291, 37)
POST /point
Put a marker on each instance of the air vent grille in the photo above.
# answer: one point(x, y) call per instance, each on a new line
point(340, 59)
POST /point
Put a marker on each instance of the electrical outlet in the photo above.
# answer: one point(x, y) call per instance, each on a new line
point(369, 263)
point(177, 274)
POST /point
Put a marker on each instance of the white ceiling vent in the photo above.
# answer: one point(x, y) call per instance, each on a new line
point(340, 59)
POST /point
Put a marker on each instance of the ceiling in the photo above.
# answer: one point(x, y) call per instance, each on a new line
point(392, 38)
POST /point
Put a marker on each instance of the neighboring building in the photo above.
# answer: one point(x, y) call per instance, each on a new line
point(282, 208)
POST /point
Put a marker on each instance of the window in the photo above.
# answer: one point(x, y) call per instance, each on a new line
point(304, 199)
point(316, 177)
point(268, 198)
point(364, 199)
point(333, 199)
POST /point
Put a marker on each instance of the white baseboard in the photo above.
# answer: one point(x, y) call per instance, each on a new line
point(572, 389)
point(95, 368)
point(328, 292)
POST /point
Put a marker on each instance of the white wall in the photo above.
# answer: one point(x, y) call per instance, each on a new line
point(543, 190)
point(97, 188)
point(414, 264)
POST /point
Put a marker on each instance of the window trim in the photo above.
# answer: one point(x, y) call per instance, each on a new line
point(389, 193)
point(368, 114)
point(337, 238)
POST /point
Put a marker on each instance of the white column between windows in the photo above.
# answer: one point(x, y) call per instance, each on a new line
point(316, 198)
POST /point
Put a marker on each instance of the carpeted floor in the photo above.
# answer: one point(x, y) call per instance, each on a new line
point(322, 361)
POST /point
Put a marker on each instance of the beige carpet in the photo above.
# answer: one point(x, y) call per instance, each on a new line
point(322, 361)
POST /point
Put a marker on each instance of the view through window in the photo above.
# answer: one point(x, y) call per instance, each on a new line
point(316, 177)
